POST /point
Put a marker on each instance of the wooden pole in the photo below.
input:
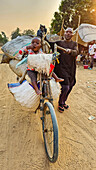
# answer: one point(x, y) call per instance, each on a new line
point(77, 29)
point(62, 28)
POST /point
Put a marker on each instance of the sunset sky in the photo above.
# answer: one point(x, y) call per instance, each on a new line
point(26, 14)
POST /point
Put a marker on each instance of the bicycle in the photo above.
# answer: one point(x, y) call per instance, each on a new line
point(48, 116)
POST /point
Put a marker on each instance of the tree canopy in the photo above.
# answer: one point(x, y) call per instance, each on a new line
point(69, 11)
point(3, 38)
point(17, 33)
point(28, 32)
point(14, 34)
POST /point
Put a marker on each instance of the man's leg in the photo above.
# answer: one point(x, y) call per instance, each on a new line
point(65, 91)
point(91, 63)
point(72, 83)
point(63, 95)
point(71, 87)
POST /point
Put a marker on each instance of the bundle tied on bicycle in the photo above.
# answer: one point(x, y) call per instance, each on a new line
point(40, 62)
point(24, 93)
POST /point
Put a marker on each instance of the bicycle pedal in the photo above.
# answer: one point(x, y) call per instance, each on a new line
point(41, 108)
point(41, 100)
point(42, 118)
point(47, 112)
point(45, 130)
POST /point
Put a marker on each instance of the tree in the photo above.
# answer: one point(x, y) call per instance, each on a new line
point(56, 23)
point(15, 33)
point(69, 11)
point(28, 32)
point(3, 38)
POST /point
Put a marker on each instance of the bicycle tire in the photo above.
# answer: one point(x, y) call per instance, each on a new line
point(50, 132)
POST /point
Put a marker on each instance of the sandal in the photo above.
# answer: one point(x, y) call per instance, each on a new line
point(61, 109)
point(66, 106)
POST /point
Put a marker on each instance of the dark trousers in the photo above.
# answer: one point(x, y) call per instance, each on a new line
point(66, 88)
point(91, 62)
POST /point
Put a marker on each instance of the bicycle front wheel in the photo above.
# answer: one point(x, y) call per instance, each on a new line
point(50, 132)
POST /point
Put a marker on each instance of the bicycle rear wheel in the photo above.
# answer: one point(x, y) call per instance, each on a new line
point(50, 132)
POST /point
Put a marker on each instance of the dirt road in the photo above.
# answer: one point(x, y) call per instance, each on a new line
point(21, 141)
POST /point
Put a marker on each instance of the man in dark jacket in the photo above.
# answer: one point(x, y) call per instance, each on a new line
point(42, 31)
point(66, 69)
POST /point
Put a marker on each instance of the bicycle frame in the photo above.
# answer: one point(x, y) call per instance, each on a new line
point(46, 92)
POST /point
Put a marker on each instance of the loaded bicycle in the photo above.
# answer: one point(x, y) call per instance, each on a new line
point(47, 112)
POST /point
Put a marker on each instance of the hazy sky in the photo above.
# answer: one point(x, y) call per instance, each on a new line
point(26, 14)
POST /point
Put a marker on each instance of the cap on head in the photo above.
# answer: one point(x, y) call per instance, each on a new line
point(69, 29)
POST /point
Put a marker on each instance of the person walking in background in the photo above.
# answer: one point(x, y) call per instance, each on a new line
point(78, 59)
point(92, 49)
point(66, 69)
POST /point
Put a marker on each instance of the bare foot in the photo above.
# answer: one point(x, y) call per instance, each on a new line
point(59, 80)
point(38, 92)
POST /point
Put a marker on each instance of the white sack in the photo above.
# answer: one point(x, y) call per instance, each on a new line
point(11, 48)
point(87, 32)
point(26, 95)
point(55, 89)
point(40, 62)
point(20, 70)
point(53, 37)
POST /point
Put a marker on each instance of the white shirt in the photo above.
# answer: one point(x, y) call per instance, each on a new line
point(92, 49)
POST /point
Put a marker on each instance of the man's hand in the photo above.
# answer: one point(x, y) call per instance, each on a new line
point(68, 51)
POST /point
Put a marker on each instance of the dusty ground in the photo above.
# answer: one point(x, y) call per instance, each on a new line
point(21, 141)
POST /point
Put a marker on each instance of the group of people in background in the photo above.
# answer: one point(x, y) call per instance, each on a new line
point(88, 56)
point(92, 52)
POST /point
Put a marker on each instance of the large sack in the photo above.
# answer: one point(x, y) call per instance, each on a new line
point(11, 48)
point(87, 32)
point(53, 37)
point(40, 62)
point(26, 95)
point(5, 59)
point(18, 71)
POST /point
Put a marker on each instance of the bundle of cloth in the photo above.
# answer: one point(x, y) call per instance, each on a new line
point(25, 94)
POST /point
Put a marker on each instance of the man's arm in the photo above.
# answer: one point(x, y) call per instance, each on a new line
point(63, 49)
point(74, 52)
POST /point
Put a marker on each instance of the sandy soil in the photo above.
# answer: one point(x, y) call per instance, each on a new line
point(21, 140)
